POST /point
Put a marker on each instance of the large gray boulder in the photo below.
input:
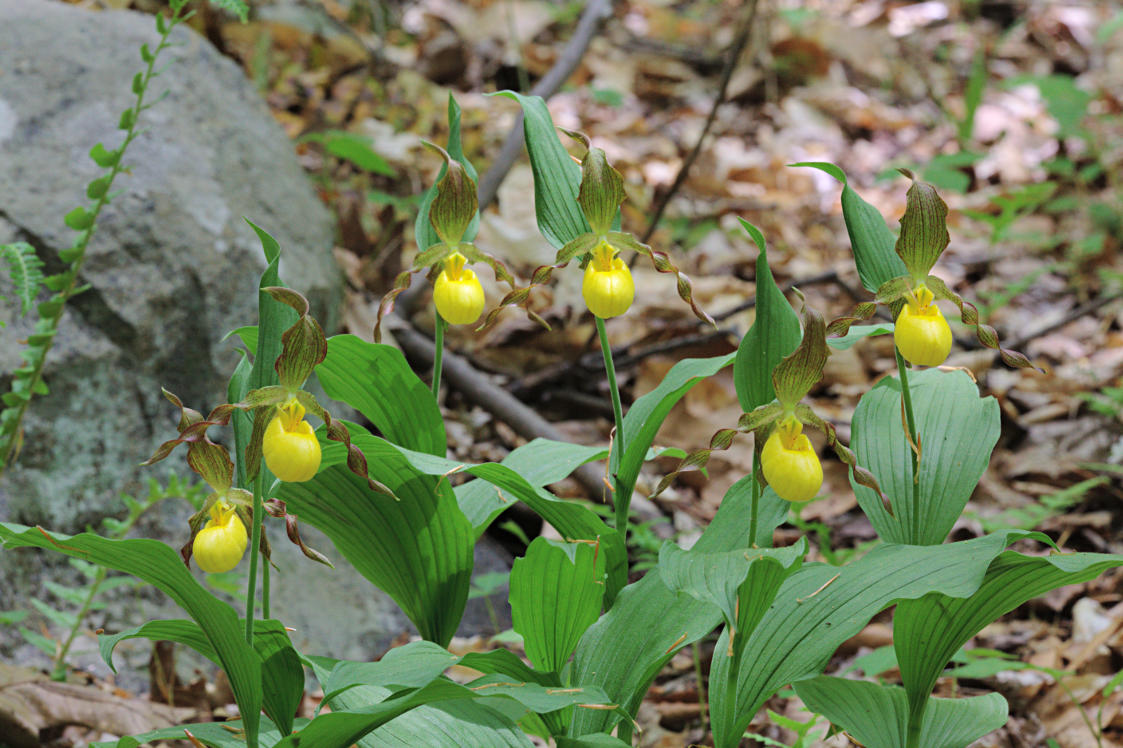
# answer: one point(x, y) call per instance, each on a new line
point(172, 268)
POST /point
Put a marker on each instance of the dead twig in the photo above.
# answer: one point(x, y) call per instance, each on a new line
point(591, 19)
point(1019, 341)
point(734, 54)
point(474, 386)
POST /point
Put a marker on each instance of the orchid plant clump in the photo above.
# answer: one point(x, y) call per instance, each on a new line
point(593, 639)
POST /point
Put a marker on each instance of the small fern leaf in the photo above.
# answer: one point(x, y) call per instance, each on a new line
point(237, 7)
point(26, 270)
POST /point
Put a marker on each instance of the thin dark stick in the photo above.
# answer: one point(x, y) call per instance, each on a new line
point(526, 422)
point(592, 17)
point(735, 51)
point(1080, 311)
point(674, 344)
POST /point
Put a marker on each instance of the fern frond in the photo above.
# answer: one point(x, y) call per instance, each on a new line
point(26, 270)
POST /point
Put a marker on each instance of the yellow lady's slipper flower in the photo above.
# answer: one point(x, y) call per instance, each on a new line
point(789, 462)
point(608, 288)
point(290, 447)
point(457, 294)
point(921, 333)
point(219, 546)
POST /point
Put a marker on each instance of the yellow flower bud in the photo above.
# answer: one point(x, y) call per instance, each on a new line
point(290, 447)
point(790, 464)
point(921, 333)
point(457, 294)
point(608, 288)
point(222, 541)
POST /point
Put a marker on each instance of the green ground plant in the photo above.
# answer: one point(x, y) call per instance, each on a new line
point(72, 605)
point(594, 641)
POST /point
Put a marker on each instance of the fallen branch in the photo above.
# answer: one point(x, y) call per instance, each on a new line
point(591, 19)
point(477, 388)
point(1019, 341)
point(734, 54)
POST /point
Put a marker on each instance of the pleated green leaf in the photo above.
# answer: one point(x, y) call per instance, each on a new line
point(870, 238)
point(647, 413)
point(282, 674)
point(556, 593)
point(183, 632)
point(557, 178)
point(210, 734)
point(624, 651)
point(574, 521)
point(158, 565)
point(957, 723)
point(273, 318)
point(859, 332)
point(957, 431)
point(359, 689)
point(376, 381)
point(341, 729)
point(412, 665)
point(774, 334)
point(820, 606)
point(741, 583)
point(876, 715)
point(540, 462)
point(450, 724)
point(928, 631)
point(453, 724)
point(417, 549)
point(598, 740)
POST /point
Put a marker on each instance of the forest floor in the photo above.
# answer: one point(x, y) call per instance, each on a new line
point(1014, 110)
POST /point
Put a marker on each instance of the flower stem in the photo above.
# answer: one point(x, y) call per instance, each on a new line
point(913, 737)
point(264, 586)
point(255, 545)
point(438, 352)
point(756, 496)
point(619, 502)
point(910, 422)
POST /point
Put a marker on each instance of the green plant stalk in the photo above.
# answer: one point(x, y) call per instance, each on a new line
point(1097, 734)
point(734, 668)
point(916, 714)
point(438, 352)
point(755, 507)
point(255, 545)
point(910, 422)
point(617, 452)
point(58, 669)
point(916, 717)
point(10, 446)
point(264, 587)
